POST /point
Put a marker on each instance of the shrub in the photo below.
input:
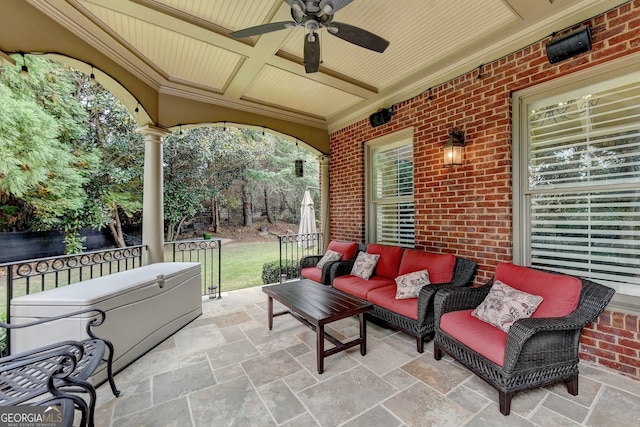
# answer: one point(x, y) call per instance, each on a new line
point(271, 271)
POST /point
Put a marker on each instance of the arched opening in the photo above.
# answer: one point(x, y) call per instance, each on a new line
point(131, 205)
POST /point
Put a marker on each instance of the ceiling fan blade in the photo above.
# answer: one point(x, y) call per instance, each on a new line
point(262, 29)
point(335, 5)
point(358, 36)
point(311, 54)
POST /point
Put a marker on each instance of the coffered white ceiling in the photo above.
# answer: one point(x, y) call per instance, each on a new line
point(183, 47)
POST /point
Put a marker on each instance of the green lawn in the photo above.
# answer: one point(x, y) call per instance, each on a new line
point(242, 263)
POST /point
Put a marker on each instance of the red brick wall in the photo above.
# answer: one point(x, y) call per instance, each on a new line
point(613, 341)
point(467, 209)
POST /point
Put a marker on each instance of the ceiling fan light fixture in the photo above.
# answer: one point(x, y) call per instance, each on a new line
point(313, 16)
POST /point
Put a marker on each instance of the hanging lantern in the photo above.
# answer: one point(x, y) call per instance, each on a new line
point(299, 168)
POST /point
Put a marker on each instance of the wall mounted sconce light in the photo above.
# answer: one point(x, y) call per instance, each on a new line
point(454, 148)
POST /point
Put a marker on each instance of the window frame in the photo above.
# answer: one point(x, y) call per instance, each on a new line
point(549, 90)
point(390, 141)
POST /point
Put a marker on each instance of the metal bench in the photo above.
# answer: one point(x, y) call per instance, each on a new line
point(57, 369)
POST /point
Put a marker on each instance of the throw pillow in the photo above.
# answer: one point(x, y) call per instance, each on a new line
point(329, 256)
point(364, 265)
point(504, 305)
point(409, 284)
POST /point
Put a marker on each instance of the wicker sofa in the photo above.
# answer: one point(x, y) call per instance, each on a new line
point(535, 351)
point(413, 316)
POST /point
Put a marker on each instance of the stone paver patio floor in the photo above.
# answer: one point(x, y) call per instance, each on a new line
point(227, 369)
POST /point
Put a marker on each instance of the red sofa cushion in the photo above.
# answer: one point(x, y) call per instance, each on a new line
point(440, 266)
point(480, 336)
point(312, 273)
point(386, 297)
point(389, 262)
point(560, 292)
point(347, 249)
point(359, 287)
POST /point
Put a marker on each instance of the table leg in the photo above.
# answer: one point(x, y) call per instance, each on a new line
point(363, 334)
point(320, 347)
point(270, 312)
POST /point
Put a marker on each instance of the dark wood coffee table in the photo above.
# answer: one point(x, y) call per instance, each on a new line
point(316, 305)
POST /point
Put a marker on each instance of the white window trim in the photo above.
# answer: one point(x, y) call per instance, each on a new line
point(388, 141)
point(576, 81)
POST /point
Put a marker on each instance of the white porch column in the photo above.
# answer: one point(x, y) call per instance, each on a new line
point(324, 200)
point(153, 201)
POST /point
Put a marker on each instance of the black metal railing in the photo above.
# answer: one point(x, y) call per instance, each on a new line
point(295, 246)
point(36, 275)
point(208, 253)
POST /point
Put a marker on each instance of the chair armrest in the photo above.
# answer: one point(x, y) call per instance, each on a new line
point(341, 268)
point(550, 339)
point(463, 272)
point(97, 320)
point(456, 299)
point(426, 300)
point(463, 276)
point(309, 261)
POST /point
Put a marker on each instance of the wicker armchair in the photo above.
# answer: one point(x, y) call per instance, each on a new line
point(538, 351)
point(88, 355)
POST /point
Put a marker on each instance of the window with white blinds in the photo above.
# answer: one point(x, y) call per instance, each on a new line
point(582, 187)
point(391, 189)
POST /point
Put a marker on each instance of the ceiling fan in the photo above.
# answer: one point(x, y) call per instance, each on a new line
point(314, 15)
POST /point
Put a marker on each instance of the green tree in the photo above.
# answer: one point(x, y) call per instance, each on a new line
point(200, 164)
point(116, 186)
point(80, 158)
point(41, 173)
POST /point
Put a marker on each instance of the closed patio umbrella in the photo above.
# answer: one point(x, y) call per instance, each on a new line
point(307, 222)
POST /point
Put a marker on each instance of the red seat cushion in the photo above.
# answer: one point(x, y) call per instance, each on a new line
point(386, 297)
point(560, 292)
point(312, 273)
point(440, 266)
point(347, 249)
point(480, 336)
point(359, 287)
point(389, 261)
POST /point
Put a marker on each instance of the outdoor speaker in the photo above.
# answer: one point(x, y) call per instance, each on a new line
point(570, 45)
point(381, 117)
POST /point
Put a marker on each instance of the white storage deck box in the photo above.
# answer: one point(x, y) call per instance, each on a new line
point(144, 306)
